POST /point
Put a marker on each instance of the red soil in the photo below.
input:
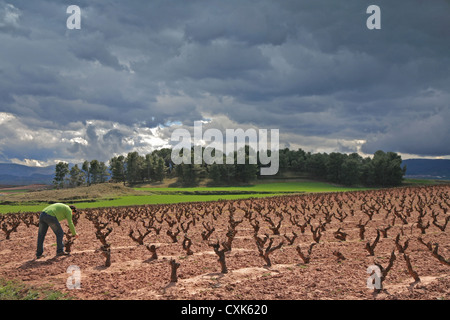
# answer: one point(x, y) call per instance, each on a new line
point(133, 275)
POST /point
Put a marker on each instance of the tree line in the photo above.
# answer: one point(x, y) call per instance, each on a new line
point(383, 169)
point(130, 169)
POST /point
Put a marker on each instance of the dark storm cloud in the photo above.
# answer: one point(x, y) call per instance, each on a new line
point(239, 21)
point(425, 135)
point(9, 18)
point(310, 68)
point(93, 49)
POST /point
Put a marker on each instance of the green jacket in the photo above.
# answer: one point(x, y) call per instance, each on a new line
point(61, 212)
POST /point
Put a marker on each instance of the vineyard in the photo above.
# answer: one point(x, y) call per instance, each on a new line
point(383, 244)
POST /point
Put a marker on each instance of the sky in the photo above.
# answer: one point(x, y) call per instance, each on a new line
point(138, 70)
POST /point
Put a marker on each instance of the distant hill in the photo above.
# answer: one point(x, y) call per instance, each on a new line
point(16, 174)
point(427, 168)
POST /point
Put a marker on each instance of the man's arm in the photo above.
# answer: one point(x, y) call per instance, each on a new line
point(70, 222)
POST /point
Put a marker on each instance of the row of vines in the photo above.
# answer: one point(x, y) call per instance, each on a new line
point(397, 216)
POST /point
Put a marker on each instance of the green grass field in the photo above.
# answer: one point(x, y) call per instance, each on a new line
point(176, 195)
point(116, 195)
point(276, 187)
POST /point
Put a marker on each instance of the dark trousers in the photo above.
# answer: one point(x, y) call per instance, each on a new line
point(46, 221)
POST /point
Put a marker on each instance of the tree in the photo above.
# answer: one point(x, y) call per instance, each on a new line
point(245, 172)
point(61, 170)
point(214, 173)
point(94, 171)
point(316, 165)
point(394, 172)
point(149, 166)
point(87, 175)
point(284, 158)
point(117, 168)
point(76, 176)
point(187, 174)
point(134, 167)
point(367, 177)
point(228, 172)
point(384, 169)
point(351, 170)
point(103, 173)
point(298, 160)
point(159, 170)
point(334, 166)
